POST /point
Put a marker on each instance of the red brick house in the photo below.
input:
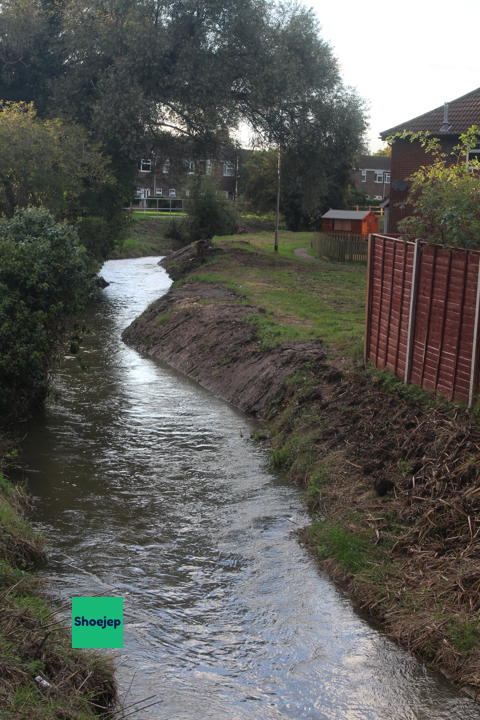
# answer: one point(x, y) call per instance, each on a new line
point(359, 222)
point(446, 122)
point(371, 175)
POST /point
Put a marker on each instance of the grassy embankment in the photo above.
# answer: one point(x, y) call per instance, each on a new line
point(301, 298)
point(33, 642)
point(391, 474)
point(146, 235)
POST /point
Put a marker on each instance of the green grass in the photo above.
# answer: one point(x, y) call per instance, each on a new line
point(287, 244)
point(302, 300)
point(146, 235)
point(464, 635)
point(352, 552)
point(156, 214)
point(315, 484)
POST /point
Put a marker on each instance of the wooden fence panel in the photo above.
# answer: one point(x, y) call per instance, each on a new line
point(341, 247)
point(445, 310)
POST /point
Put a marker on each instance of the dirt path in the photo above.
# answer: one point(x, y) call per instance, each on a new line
point(304, 255)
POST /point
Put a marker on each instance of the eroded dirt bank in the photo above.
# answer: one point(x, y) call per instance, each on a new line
point(205, 331)
point(392, 477)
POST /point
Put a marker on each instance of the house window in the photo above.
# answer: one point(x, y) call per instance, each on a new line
point(387, 177)
point(228, 168)
point(473, 155)
point(166, 166)
point(172, 192)
point(145, 165)
point(189, 166)
point(208, 167)
point(187, 193)
point(159, 191)
point(379, 176)
point(364, 175)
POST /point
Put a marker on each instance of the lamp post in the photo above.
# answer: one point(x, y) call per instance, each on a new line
point(277, 215)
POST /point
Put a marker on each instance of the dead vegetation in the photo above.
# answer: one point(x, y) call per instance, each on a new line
point(41, 676)
point(396, 511)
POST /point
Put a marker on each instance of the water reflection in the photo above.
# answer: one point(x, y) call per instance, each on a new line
point(148, 487)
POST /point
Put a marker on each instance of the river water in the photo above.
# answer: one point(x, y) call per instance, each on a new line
point(150, 488)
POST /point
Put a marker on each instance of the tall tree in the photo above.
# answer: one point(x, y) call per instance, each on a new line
point(131, 69)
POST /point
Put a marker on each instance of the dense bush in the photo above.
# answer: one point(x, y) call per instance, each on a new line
point(210, 213)
point(444, 195)
point(45, 277)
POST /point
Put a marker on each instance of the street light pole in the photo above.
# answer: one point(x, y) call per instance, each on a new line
point(277, 216)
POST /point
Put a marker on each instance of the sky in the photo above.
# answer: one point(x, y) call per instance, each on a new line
point(403, 58)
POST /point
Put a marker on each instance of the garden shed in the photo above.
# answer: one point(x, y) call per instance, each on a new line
point(360, 222)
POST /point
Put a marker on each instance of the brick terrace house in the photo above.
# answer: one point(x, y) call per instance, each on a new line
point(446, 122)
point(372, 176)
point(168, 180)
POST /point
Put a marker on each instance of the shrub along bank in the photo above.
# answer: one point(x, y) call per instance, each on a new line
point(391, 475)
point(46, 278)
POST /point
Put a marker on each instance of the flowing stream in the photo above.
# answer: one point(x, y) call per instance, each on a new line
point(150, 488)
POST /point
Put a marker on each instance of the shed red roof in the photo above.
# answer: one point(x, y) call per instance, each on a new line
point(462, 114)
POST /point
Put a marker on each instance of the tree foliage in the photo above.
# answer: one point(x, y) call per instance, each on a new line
point(46, 163)
point(131, 71)
point(258, 180)
point(445, 195)
point(45, 277)
point(209, 213)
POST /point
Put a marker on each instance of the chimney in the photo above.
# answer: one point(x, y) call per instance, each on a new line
point(445, 126)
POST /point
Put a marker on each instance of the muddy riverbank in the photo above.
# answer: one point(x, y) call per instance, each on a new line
point(392, 476)
point(41, 676)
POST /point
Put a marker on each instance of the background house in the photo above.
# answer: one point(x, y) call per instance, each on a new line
point(166, 182)
point(446, 122)
point(371, 176)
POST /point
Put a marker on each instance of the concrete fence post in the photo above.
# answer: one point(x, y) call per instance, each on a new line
point(411, 312)
point(474, 360)
point(368, 302)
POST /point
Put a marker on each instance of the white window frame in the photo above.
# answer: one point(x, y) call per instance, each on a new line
point(148, 163)
point(228, 168)
point(172, 192)
point(159, 191)
point(473, 154)
point(364, 175)
point(208, 166)
point(166, 166)
point(190, 166)
point(387, 177)
point(379, 176)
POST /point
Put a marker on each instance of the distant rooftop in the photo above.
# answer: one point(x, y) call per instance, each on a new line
point(462, 114)
point(346, 214)
point(373, 162)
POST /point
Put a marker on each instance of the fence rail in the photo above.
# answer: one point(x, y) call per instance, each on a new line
point(423, 315)
point(341, 247)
